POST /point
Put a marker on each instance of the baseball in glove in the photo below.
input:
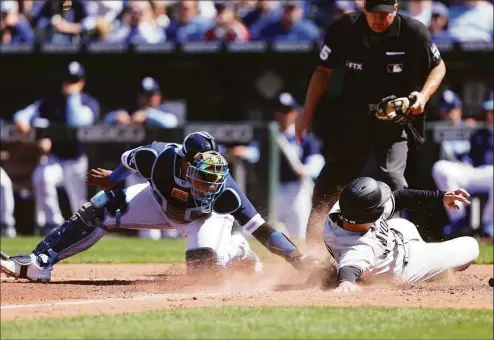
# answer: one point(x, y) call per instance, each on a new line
point(394, 109)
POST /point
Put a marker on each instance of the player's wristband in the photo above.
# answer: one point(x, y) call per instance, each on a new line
point(119, 174)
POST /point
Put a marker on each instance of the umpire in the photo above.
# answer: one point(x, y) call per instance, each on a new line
point(382, 54)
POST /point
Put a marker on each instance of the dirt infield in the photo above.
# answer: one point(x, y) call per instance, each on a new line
point(103, 289)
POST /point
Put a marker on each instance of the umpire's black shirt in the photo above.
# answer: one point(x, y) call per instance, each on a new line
point(376, 65)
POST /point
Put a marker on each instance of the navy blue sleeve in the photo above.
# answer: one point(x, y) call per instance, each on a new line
point(247, 215)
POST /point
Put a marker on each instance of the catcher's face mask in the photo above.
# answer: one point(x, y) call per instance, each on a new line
point(207, 176)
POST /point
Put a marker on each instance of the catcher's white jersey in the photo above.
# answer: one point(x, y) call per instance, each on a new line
point(394, 247)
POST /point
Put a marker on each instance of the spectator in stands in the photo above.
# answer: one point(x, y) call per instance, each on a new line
point(29, 8)
point(189, 26)
point(65, 162)
point(343, 7)
point(474, 173)
point(263, 13)
point(438, 27)
point(420, 10)
point(244, 6)
point(14, 28)
point(59, 24)
point(207, 9)
point(148, 109)
point(291, 26)
point(228, 27)
point(471, 20)
point(7, 220)
point(101, 17)
point(137, 26)
point(160, 11)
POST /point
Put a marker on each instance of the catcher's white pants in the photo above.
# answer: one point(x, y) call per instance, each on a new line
point(153, 234)
point(427, 260)
point(6, 199)
point(52, 172)
point(144, 212)
point(293, 205)
point(451, 175)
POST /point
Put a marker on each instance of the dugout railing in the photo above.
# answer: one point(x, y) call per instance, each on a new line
point(217, 81)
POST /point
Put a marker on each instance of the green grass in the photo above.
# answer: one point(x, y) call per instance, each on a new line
point(135, 250)
point(112, 250)
point(486, 255)
point(264, 323)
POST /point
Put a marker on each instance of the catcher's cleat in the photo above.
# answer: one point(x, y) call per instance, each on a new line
point(25, 267)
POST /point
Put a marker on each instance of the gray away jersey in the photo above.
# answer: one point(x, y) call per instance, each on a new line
point(372, 251)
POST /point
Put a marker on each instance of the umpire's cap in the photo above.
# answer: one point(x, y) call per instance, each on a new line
point(362, 200)
point(387, 6)
point(74, 72)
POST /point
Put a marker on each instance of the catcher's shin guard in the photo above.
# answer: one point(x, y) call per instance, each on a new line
point(83, 229)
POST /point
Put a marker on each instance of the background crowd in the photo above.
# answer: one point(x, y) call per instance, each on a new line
point(158, 21)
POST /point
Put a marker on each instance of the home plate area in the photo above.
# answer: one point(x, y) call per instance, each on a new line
point(95, 289)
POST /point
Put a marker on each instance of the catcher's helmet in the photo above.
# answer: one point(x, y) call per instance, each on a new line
point(198, 142)
point(362, 200)
point(207, 170)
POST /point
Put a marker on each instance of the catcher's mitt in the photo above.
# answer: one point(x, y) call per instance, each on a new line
point(394, 109)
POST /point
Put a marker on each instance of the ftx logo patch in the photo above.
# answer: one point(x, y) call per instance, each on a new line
point(354, 66)
point(395, 68)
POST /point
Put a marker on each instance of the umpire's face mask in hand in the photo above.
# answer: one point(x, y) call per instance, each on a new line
point(380, 14)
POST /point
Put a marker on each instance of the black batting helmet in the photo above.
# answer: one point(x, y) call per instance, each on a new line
point(198, 142)
point(362, 200)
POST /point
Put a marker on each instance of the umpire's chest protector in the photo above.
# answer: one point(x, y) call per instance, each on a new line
point(378, 65)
